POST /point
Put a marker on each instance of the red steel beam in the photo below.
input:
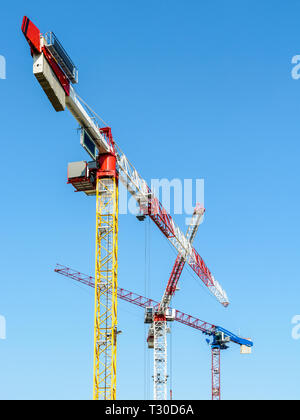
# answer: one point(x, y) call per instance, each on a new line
point(138, 300)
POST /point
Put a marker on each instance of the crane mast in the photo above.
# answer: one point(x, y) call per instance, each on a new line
point(106, 284)
point(160, 366)
point(216, 373)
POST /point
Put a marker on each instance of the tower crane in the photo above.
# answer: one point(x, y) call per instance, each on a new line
point(157, 335)
point(57, 75)
point(220, 337)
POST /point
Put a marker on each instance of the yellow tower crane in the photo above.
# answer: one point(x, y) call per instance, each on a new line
point(56, 73)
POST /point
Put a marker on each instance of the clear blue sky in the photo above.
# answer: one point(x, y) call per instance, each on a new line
point(192, 90)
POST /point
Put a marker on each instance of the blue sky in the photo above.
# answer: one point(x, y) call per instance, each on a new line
point(191, 90)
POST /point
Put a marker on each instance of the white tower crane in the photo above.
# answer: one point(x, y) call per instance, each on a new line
point(157, 336)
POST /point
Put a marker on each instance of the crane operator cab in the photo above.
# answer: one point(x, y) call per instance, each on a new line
point(221, 340)
point(149, 314)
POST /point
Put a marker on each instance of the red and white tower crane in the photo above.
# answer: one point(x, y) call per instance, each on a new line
point(220, 338)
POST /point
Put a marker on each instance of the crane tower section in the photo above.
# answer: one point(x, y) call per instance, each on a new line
point(216, 373)
point(105, 323)
point(160, 358)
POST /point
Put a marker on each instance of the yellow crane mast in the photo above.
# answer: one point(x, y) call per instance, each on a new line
point(106, 282)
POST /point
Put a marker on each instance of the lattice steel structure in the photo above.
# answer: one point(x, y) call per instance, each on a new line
point(216, 373)
point(181, 260)
point(160, 358)
point(106, 285)
point(160, 390)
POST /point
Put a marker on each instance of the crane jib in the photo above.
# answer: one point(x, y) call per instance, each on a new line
point(144, 302)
